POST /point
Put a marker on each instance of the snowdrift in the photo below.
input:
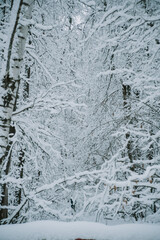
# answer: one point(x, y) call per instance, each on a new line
point(51, 230)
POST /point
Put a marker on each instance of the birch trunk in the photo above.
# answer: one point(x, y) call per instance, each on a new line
point(10, 80)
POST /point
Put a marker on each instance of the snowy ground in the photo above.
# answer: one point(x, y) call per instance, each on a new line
point(50, 230)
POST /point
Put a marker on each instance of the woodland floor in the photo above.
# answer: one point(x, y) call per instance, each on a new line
point(52, 230)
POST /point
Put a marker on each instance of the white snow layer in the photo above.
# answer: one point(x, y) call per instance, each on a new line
point(51, 230)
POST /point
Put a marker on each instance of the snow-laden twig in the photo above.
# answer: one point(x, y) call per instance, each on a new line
point(39, 98)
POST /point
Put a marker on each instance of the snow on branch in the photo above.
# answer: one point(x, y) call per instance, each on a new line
point(40, 63)
point(41, 203)
point(116, 71)
point(107, 14)
point(151, 19)
point(82, 177)
point(39, 99)
point(12, 180)
point(18, 209)
point(24, 108)
point(26, 22)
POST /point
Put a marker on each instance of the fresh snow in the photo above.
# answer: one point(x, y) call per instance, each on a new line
point(52, 230)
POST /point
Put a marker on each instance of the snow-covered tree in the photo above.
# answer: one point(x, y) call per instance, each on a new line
point(12, 58)
point(84, 128)
point(121, 129)
point(47, 103)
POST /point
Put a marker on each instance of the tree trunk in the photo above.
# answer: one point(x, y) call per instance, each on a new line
point(10, 81)
point(126, 93)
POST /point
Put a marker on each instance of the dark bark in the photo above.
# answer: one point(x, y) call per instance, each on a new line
point(126, 94)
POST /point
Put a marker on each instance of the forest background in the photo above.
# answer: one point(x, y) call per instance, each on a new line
point(80, 110)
